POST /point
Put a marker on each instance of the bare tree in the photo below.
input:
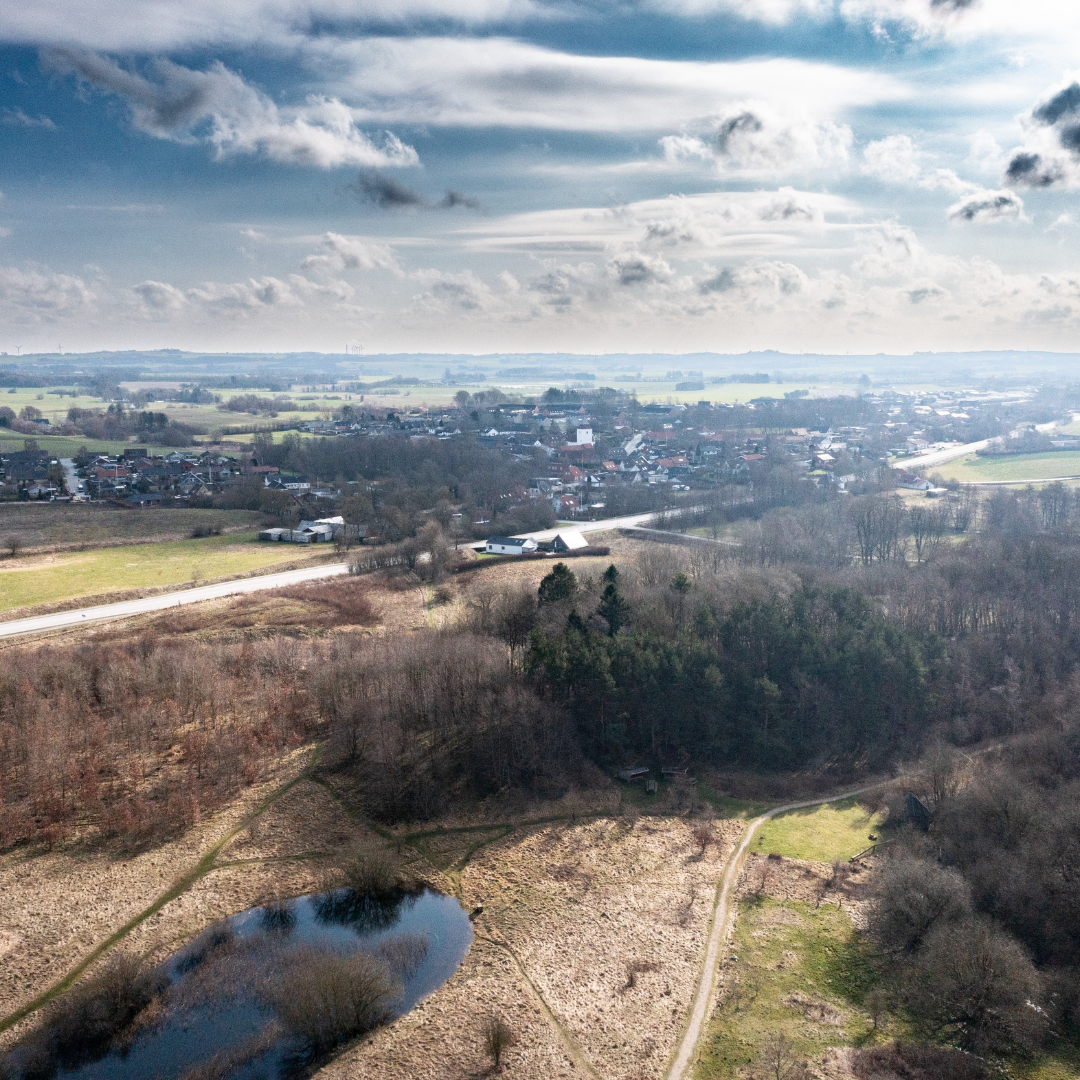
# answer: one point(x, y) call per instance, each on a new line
point(778, 1057)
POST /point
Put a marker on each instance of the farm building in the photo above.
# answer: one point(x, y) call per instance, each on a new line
point(509, 545)
point(319, 531)
point(568, 540)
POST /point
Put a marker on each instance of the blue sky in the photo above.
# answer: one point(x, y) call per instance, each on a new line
point(524, 175)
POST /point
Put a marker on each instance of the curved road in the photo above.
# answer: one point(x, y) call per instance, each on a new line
point(718, 934)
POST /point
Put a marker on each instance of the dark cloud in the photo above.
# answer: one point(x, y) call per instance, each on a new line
point(927, 292)
point(734, 126)
point(453, 199)
point(1028, 168)
point(722, 282)
point(1065, 102)
point(386, 192)
point(987, 207)
point(178, 101)
point(1070, 138)
point(952, 5)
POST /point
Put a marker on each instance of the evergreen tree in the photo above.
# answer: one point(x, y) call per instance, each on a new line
point(613, 608)
point(560, 584)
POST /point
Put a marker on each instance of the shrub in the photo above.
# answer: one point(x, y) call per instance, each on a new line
point(81, 1025)
point(498, 1038)
point(404, 953)
point(326, 998)
point(912, 897)
point(279, 916)
point(374, 873)
point(910, 1061)
point(974, 984)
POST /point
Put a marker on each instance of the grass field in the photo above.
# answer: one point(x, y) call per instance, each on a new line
point(801, 970)
point(36, 580)
point(822, 833)
point(60, 446)
point(1018, 467)
point(40, 525)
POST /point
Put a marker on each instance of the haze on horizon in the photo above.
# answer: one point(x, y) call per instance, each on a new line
point(540, 175)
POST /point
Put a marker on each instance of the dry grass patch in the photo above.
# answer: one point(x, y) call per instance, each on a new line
point(56, 907)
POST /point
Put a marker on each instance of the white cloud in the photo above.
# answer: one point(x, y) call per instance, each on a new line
point(351, 253)
point(159, 298)
point(727, 222)
point(254, 298)
point(755, 139)
point(637, 268)
point(17, 118)
point(444, 291)
point(216, 106)
point(497, 82)
point(894, 159)
point(947, 180)
point(986, 154)
point(41, 296)
point(163, 25)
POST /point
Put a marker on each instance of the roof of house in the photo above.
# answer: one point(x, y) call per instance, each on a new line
point(572, 539)
point(508, 541)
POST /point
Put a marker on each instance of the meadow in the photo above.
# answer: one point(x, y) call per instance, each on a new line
point(42, 525)
point(1012, 467)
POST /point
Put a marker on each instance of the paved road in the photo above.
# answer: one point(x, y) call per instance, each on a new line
point(74, 484)
point(918, 462)
point(126, 608)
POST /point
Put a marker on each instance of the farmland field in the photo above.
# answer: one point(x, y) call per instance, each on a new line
point(60, 445)
point(44, 525)
point(25, 582)
point(1015, 467)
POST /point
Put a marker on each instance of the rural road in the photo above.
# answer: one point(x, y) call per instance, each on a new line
point(951, 453)
point(718, 935)
point(586, 526)
point(125, 608)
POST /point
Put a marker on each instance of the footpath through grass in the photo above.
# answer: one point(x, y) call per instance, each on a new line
point(41, 580)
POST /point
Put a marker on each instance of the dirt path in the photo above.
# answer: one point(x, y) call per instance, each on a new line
point(206, 863)
point(718, 934)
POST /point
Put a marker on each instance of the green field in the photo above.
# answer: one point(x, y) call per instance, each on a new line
point(61, 446)
point(33, 580)
point(43, 524)
point(1015, 467)
point(800, 970)
point(821, 833)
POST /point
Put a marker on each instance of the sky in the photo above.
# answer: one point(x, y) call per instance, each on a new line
point(540, 175)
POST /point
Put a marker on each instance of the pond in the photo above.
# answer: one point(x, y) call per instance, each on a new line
point(263, 994)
